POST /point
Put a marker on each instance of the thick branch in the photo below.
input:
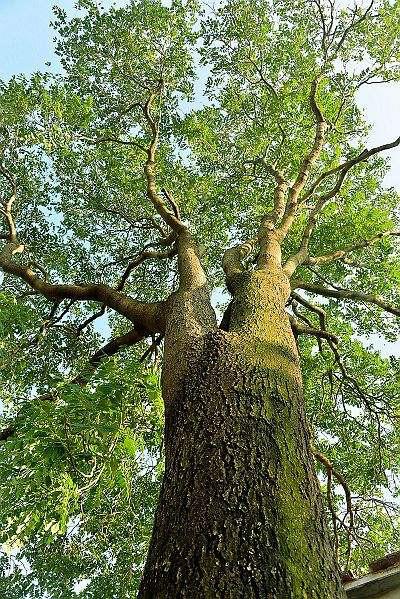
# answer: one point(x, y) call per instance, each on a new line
point(6, 211)
point(167, 215)
point(339, 477)
point(145, 316)
point(145, 254)
point(308, 162)
point(279, 193)
point(300, 329)
point(191, 273)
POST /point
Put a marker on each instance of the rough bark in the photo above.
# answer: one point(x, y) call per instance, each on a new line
point(239, 512)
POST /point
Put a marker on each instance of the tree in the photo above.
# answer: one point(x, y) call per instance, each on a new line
point(130, 192)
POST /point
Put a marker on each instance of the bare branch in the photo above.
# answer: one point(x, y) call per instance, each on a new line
point(314, 308)
point(332, 512)
point(263, 80)
point(172, 202)
point(325, 35)
point(141, 257)
point(313, 155)
point(127, 109)
point(344, 168)
point(341, 254)
point(343, 294)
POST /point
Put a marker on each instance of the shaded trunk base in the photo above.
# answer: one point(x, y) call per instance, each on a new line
point(239, 514)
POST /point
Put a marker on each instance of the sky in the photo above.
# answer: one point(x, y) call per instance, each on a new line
point(25, 37)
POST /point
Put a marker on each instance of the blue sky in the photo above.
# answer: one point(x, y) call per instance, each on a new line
point(25, 36)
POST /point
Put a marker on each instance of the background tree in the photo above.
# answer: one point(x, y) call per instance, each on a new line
point(129, 191)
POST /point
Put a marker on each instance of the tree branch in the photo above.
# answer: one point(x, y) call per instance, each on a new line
point(270, 219)
point(111, 139)
point(144, 255)
point(343, 294)
point(340, 254)
point(301, 255)
point(169, 217)
point(147, 316)
point(191, 273)
point(7, 208)
point(300, 329)
point(342, 481)
point(141, 257)
point(344, 168)
point(308, 162)
point(354, 22)
point(108, 350)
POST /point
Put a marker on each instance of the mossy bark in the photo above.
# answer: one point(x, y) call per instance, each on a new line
point(239, 514)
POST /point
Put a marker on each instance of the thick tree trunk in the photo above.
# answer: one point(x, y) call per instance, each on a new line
point(240, 512)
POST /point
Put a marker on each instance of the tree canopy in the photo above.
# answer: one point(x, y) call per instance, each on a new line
point(185, 114)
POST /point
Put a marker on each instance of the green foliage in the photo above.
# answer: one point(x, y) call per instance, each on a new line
point(80, 477)
point(80, 481)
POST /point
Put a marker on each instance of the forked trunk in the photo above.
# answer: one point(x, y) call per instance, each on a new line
point(239, 514)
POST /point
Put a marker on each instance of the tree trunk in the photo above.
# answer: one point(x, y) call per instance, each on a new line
point(239, 514)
